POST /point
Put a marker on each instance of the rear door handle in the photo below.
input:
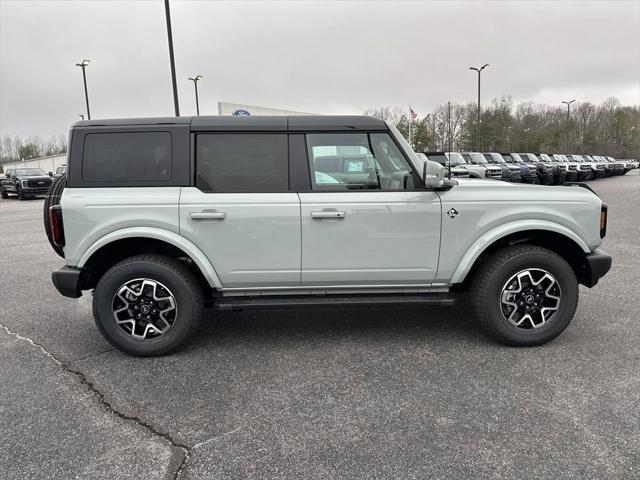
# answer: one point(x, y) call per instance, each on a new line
point(208, 215)
point(327, 214)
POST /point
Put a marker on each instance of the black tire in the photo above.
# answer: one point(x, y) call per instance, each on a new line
point(168, 272)
point(53, 198)
point(3, 193)
point(20, 194)
point(497, 270)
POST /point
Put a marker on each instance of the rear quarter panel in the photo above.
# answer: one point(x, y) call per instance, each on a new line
point(91, 213)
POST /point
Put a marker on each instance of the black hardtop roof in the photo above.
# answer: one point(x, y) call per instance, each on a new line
point(257, 123)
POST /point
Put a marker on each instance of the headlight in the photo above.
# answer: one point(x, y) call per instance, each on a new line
point(24, 183)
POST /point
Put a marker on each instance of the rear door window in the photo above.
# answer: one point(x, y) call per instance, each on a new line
point(242, 162)
point(136, 157)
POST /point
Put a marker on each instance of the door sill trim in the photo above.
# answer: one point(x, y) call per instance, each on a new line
point(335, 289)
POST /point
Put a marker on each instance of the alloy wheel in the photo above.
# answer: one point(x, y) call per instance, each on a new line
point(530, 298)
point(144, 308)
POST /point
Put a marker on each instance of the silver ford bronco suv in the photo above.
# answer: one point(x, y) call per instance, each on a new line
point(160, 217)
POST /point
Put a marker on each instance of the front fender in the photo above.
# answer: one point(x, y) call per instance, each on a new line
point(174, 239)
point(482, 243)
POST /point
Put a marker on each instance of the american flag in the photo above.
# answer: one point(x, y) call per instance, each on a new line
point(414, 115)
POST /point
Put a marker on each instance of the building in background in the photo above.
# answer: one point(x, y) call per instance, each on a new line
point(242, 109)
point(48, 164)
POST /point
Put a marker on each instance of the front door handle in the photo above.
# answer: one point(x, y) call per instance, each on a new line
point(208, 215)
point(327, 214)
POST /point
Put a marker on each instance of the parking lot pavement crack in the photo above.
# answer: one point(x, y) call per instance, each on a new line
point(185, 449)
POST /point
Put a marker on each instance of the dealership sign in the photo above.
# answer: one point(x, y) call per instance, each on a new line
point(241, 113)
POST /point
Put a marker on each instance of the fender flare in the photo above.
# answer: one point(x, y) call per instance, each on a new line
point(178, 241)
point(481, 244)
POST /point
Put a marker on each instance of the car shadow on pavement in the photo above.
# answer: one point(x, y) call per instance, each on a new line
point(409, 323)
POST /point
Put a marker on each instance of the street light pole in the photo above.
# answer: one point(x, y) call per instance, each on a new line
point(479, 70)
point(195, 84)
point(568, 108)
point(83, 65)
point(167, 13)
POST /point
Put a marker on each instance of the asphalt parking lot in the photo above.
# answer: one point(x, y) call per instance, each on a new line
point(359, 393)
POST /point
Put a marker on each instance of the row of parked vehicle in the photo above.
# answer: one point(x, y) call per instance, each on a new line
point(531, 167)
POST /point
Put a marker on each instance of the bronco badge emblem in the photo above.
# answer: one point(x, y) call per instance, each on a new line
point(452, 212)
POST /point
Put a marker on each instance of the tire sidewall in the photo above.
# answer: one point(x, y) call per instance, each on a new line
point(562, 272)
point(103, 314)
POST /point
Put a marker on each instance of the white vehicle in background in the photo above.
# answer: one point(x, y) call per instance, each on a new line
point(479, 167)
point(597, 168)
point(617, 163)
point(629, 164)
point(612, 167)
point(583, 172)
point(569, 175)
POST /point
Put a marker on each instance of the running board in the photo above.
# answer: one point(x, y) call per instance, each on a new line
point(241, 303)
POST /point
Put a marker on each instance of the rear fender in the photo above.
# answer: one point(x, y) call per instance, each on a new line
point(172, 238)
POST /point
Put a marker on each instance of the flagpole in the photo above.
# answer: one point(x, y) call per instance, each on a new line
point(410, 120)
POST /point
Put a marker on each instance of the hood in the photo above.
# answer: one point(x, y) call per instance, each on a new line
point(493, 166)
point(33, 177)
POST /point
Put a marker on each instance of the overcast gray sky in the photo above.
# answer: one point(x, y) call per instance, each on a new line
point(321, 57)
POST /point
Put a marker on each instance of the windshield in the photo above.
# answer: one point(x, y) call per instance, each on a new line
point(455, 158)
point(477, 158)
point(28, 172)
point(528, 157)
point(510, 158)
point(494, 157)
point(547, 158)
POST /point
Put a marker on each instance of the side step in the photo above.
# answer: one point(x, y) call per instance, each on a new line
point(241, 303)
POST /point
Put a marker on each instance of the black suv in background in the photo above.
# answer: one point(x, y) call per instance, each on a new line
point(528, 172)
point(510, 173)
point(25, 182)
point(544, 170)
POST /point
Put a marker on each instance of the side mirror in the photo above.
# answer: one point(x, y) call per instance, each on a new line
point(433, 174)
point(51, 174)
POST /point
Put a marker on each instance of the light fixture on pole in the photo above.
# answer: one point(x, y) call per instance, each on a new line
point(568, 108)
point(195, 84)
point(479, 70)
point(83, 66)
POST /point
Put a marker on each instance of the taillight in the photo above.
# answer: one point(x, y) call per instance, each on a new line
point(56, 225)
point(603, 220)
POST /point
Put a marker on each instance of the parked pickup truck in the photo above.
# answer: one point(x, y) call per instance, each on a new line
point(25, 183)
point(160, 215)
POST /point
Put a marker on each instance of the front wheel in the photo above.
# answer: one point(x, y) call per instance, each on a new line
point(3, 193)
point(524, 295)
point(148, 304)
point(20, 194)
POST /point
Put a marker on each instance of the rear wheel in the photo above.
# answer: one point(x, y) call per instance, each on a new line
point(148, 304)
point(3, 193)
point(524, 295)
